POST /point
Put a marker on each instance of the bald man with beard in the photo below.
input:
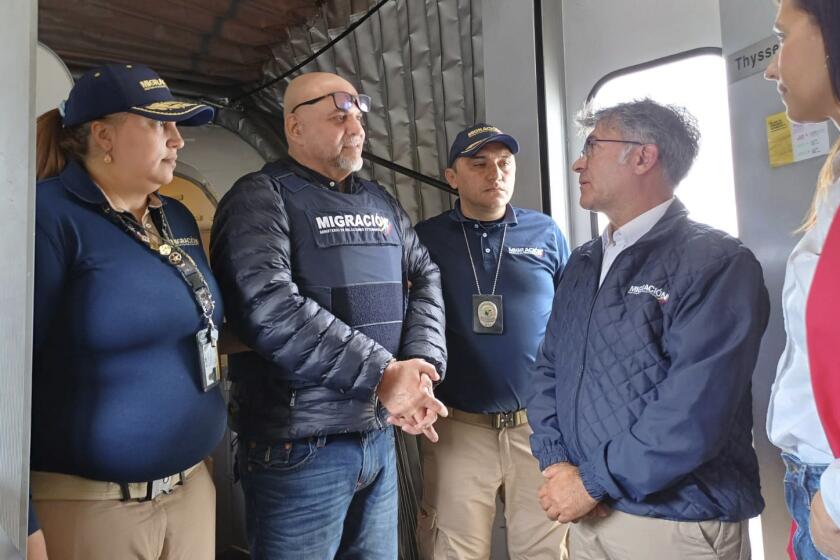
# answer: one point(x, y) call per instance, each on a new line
point(315, 266)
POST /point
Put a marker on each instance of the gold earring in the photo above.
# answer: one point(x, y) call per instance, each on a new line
point(107, 158)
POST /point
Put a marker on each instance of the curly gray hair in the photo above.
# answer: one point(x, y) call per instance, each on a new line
point(672, 128)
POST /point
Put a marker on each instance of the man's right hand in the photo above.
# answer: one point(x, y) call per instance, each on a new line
point(563, 496)
point(406, 393)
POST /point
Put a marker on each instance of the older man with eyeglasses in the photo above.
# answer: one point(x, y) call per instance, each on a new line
point(641, 408)
point(324, 278)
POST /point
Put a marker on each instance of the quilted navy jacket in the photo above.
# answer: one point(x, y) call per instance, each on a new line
point(310, 372)
point(644, 384)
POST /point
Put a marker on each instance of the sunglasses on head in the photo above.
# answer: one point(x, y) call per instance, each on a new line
point(343, 101)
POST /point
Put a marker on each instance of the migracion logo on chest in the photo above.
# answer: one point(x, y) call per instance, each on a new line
point(534, 251)
point(658, 293)
point(353, 223)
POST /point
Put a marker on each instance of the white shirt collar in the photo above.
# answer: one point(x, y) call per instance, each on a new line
point(632, 231)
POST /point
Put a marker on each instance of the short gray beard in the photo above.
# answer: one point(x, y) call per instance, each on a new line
point(349, 164)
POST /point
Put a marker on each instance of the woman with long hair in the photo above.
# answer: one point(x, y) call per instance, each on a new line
point(125, 403)
point(804, 415)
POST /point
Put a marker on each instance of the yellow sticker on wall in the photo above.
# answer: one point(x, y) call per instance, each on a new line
point(788, 142)
point(779, 140)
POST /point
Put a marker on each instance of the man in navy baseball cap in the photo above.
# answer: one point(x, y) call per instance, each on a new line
point(499, 265)
point(470, 140)
point(128, 88)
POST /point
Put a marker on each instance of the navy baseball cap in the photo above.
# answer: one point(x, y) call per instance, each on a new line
point(470, 140)
point(128, 88)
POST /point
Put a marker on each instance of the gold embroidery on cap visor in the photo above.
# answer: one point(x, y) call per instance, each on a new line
point(475, 145)
point(169, 108)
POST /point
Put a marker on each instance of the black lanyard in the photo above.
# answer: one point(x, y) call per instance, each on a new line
point(171, 253)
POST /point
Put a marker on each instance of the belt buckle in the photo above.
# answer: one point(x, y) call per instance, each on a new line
point(504, 420)
point(164, 485)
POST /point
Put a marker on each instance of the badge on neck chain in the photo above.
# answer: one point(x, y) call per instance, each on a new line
point(208, 357)
point(487, 310)
point(488, 314)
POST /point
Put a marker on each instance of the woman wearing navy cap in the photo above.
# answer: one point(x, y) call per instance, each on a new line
point(125, 403)
point(804, 415)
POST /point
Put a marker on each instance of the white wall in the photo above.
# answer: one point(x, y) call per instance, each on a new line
point(17, 218)
point(53, 82)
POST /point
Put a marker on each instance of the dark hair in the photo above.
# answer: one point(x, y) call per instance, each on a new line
point(55, 144)
point(826, 14)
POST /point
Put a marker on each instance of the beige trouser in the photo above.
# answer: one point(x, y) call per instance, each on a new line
point(462, 475)
point(621, 536)
point(176, 526)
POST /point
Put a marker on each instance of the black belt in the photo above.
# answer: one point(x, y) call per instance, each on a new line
point(497, 420)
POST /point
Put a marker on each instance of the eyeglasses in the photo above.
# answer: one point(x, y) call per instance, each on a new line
point(590, 142)
point(343, 101)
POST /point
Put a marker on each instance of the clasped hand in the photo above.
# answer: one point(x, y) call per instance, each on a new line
point(564, 498)
point(407, 393)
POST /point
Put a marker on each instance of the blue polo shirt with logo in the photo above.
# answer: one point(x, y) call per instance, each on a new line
point(490, 372)
point(116, 389)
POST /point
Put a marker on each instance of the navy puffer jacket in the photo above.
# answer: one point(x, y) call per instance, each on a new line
point(310, 372)
point(645, 383)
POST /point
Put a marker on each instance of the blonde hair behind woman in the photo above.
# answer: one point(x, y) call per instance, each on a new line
point(829, 174)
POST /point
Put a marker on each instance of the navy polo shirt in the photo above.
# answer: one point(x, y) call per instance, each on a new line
point(116, 391)
point(486, 372)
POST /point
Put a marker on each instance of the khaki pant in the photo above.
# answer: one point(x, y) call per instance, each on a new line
point(462, 475)
point(176, 526)
point(621, 536)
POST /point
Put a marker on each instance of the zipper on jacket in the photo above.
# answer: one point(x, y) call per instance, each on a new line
point(292, 399)
point(574, 416)
point(376, 411)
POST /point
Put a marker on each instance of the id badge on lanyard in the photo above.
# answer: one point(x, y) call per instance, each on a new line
point(208, 356)
point(207, 337)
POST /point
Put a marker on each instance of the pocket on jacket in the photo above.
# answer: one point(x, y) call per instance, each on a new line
point(284, 456)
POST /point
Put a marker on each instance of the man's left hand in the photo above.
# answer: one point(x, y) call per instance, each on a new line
point(825, 533)
point(562, 495)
